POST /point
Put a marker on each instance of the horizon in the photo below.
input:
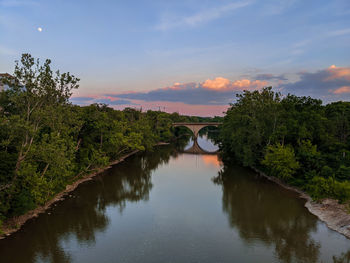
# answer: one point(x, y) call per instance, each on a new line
point(189, 57)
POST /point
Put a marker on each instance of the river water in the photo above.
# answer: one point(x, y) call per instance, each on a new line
point(168, 206)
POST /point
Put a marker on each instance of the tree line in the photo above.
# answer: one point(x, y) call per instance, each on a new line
point(297, 139)
point(47, 143)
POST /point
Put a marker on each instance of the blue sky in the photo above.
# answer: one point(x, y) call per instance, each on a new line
point(188, 56)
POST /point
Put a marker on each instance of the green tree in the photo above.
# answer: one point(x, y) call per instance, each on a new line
point(280, 160)
point(250, 124)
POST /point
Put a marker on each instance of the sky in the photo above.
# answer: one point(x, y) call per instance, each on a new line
point(190, 57)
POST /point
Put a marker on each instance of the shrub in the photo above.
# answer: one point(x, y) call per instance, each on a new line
point(320, 187)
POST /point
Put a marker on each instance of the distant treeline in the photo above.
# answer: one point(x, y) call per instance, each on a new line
point(47, 143)
point(297, 139)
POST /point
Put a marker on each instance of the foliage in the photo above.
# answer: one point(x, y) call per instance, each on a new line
point(249, 125)
point(320, 187)
point(295, 138)
point(47, 143)
point(281, 161)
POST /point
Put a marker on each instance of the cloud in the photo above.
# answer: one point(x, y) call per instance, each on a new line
point(270, 77)
point(328, 84)
point(201, 17)
point(305, 45)
point(338, 73)
point(218, 91)
point(339, 32)
point(277, 7)
point(217, 83)
point(222, 84)
point(180, 107)
point(83, 101)
point(341, 90)
point(212, 96)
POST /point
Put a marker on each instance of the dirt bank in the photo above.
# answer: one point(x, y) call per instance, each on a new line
point(335, 215)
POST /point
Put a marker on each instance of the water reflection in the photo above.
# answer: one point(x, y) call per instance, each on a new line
point(202, 145)
point(344, 258)
point(83, 215)
point(163, 206)
point(276, 218)
point(212, 160)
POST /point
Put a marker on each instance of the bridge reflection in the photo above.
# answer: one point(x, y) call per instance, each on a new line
point(197, 149)
point(195, 127)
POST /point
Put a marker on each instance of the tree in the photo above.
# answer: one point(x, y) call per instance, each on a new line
point(250, 124)
point(36, 92)
point(280, 160)
point(47, 143)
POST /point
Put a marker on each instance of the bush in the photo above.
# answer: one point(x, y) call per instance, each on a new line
point(320, 187)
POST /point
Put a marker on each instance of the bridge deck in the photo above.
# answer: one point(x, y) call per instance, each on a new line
point(197, 123)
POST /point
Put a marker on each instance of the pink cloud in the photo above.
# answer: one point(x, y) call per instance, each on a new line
point(217, 83)
point(221, 83)
point(179, 86)
point(208, 98)
point(342, 90)
point(212, 96)
point(338, 73)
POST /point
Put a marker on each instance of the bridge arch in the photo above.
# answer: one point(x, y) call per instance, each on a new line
point(195, 127)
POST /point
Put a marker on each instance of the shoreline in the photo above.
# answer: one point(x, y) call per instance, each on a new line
point(333, 214)
point(328, 210)
point(14, 224)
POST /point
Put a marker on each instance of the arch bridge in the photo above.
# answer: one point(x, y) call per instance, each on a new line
point(195, 127)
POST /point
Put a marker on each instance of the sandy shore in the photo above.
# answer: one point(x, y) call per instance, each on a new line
point(335, 215)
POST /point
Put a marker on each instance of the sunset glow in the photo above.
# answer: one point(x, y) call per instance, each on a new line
point(192, 57)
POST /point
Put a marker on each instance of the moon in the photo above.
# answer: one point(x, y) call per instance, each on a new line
point(40, 29)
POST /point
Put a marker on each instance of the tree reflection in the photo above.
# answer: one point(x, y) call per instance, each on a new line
point(261, 211)
point(344, 258)
point(84, 214)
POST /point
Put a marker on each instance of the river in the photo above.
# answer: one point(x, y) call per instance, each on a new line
point(168, 206)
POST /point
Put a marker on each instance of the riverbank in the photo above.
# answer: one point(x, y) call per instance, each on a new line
point(335, 215)
point(14, 224)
